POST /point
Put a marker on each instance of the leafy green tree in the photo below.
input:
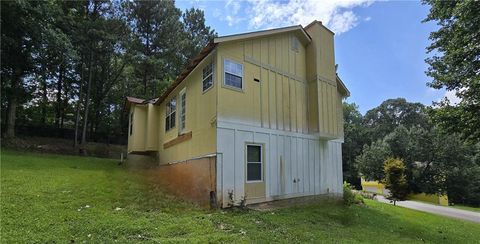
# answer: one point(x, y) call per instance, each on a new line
point(455, 64)
point(355, 138)
point(383, 119)
point(395, 179)
point(21, 24)
point(370, 162)
point(157, 44)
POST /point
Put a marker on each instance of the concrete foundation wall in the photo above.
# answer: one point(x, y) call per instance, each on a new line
point(192, 180)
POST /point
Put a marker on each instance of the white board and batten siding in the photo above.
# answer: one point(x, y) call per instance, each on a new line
point(315, 164)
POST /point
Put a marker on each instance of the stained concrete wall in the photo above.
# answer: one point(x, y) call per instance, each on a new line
point(191, 180)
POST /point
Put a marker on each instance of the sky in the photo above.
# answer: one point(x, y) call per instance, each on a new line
point(380, 47)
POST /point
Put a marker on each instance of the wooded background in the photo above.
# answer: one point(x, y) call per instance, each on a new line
point(67, 66)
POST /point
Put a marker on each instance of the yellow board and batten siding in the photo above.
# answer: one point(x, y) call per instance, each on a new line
point(149, 133)
point(200, 119)
point(136, 139)
point(287, 97)
point(278, 101)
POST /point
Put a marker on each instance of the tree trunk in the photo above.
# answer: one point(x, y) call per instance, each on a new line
point(44, 100)
point(87, 104)
point(79, 103)
point(11, 115)
point(12, 105)
point(58, 108)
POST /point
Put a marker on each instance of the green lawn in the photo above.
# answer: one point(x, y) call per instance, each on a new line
point(52, 198)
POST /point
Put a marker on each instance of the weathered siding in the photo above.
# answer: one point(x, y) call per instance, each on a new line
point(315, 164)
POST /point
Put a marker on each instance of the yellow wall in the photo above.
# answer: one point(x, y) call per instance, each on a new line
point(200, 119)
point(321, 74)
point(136, 140)
point(279, 100)
point(437, 199)
point(297, 90)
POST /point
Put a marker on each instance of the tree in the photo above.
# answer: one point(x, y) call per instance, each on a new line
point(455, 64)
point(156, 49)
point(370, 162)
point(21, 22)
point(395, 180)
point(355, 138)
point(197, 34)
point(383, 119)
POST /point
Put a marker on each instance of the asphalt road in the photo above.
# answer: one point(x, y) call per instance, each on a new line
point(435, 209)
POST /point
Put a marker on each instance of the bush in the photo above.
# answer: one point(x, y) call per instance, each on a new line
point(395, 180)
point(349, 197)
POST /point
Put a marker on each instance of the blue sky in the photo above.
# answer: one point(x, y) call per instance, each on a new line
point(379, 46)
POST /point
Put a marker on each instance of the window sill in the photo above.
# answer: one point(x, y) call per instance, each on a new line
point(181, 138)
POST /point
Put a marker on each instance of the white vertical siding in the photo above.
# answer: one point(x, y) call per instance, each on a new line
point(315, 162)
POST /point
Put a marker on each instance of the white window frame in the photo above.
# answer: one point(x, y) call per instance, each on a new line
point(182, 115)
point(204, 78)
point(241, 75)
point(169, 115)
point(247, 162)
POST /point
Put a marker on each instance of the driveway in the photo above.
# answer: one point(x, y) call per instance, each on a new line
point(435, 209)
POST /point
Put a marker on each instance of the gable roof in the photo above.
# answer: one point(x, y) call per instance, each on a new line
point(342, 87)
point(297, 29)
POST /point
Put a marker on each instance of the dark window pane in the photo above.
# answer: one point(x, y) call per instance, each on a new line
point(254, 171)
point(172, 122)
point(254, 153)
point(167, 123)
point(233, 80)
point(207, 83)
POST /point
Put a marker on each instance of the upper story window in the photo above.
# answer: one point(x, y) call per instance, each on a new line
point(233, 74)
point(207, 76)
point(295, 44)
point(182, 110)
point(170, 112)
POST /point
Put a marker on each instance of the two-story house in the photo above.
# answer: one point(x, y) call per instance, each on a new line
point(255, 117)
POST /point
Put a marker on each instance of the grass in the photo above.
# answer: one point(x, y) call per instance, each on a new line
point(52, 198)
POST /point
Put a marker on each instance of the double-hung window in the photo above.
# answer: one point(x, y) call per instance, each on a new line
point(171, 109)
point(254, 163)
point(182, 115)
point(207, 77)
point(233, 76)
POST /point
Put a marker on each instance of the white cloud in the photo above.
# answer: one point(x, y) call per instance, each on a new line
point(337, 15)
point(452, 97)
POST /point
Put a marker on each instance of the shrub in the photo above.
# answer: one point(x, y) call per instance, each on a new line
point(349, 197)
point(395, 179)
